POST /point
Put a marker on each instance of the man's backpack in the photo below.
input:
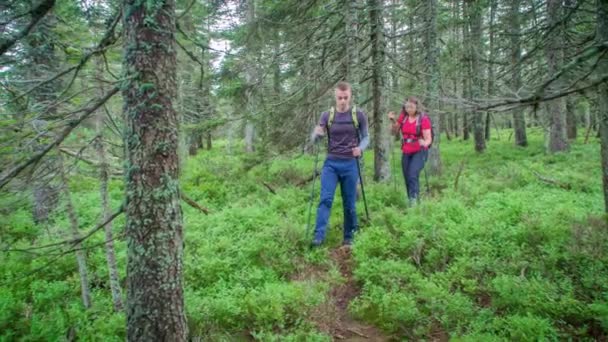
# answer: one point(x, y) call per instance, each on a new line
point(353, 112)
point(418, 126)
point(332, 114)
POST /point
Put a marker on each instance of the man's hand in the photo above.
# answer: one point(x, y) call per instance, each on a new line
point(356, 152)
point(320, 131)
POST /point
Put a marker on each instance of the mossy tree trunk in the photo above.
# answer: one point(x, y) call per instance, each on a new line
point(155, 303)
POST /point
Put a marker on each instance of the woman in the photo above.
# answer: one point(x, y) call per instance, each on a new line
point(415, 129)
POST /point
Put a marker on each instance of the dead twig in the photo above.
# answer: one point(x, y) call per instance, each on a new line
point(548, 180)
point(304, 181)
point(193, 203)
point(270, 188)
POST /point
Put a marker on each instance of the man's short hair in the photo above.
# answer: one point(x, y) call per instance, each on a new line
point(343, 86)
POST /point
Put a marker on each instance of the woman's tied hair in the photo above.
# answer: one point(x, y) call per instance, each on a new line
point(415, 101)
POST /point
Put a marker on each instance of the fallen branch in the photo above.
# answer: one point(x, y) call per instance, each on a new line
point(193, 204)
point(357, 332)
point(78, 156)
point(269, 188)
point(304, 181)
point(562, 185)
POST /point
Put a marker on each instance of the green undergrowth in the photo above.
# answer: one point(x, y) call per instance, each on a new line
point(494, 251)
point(505, 255)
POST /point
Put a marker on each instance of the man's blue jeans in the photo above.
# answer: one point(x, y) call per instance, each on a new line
point(346, 173)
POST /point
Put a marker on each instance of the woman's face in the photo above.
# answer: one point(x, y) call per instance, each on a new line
point(410, 108)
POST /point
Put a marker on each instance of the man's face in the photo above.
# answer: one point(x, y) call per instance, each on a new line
point(342, 100)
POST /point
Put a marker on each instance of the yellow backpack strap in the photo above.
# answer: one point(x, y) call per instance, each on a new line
point(330, 119)
point(353, 112)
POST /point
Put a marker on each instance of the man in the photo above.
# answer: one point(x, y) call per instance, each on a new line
point(347, 138)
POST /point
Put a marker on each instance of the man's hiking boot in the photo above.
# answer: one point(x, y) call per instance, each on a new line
point(316, 243)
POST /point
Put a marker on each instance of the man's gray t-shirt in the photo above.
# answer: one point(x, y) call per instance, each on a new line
point(342, 135)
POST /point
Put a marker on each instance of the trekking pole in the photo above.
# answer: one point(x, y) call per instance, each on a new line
point(362, 189)
point(312, 191)
point(428, 190)
point(426, 178)
point(393, 171)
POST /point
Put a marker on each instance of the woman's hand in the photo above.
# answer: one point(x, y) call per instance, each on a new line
point(391, 116)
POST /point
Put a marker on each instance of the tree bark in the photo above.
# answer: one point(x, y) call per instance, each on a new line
point(250, 76)
point(602, 36)
point(571, 119)
point(519, 120)
point(80, 256)
point(381, 151)
point(466, 80)
point(493, 5)
point(474, 45)
point(432, 83)
point(556, 111)
point(571, 131)
point(105, 202)
point(40, 50)
point(154, 229)
point(352, 52)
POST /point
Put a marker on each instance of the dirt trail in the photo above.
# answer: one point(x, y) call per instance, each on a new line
point(332, 317)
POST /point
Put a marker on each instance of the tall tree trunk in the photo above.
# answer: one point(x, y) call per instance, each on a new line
point(456, 79)
point(566, 44)
point(80, 256)
point(209, 108)
point(105, 203)
point(208, 138)
point(394, 74)
point(556, 114)
point(250, 78)
point(351, 61)
point(432, 82)
point(493, 4)
point(40, 49)
point(381, 152)
point(474, 46)
point(571, 120)
point(519, 120)
point(155, 300)
point(466, 80)
point(601, 37)
point(196, 140)
point(411, 56)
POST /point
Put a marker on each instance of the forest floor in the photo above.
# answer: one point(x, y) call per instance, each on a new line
point(332, 317)
point(500, 250)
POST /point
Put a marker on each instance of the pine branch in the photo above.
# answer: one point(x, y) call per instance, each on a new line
point(10, 174)
point(37, 13)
